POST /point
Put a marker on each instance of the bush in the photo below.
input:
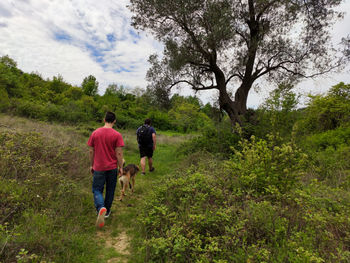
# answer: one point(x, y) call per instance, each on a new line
point(332, 138)
point(214, 140)
point(327, 112)
point(212, 212)
point(161, 120)
point(39, 190)
point(29, 109)
point(264, 168)
point(126, 122)
point(4, 100)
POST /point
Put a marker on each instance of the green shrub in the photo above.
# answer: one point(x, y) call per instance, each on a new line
point(329, 153)
point(217, 139)
point(160, 120)
point(4, 100)
point(126, 122)
point(30, 109)
point(39, 188)
point(326, 112)
point(278, 113)
point(332, 138)
point(263, 167)
point(208, 213)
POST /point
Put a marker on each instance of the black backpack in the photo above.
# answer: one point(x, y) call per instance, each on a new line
point(143, 135)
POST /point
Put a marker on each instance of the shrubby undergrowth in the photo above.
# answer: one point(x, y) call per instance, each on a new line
point(43, 208)
point(253, 207)
point(281, 195)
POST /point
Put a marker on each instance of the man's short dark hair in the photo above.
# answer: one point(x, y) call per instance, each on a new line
point(110, 117)
point(148, 121)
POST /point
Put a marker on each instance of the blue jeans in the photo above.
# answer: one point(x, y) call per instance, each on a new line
point(99, 180)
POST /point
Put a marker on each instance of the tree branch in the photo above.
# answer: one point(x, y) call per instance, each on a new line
point(268, 5)
point(243, 36)
point(192, 85)
point(194, 39)
point(199, 64)
point(232, 76)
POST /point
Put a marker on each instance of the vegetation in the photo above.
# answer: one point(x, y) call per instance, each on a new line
point(44, 208)
point(29, 95)
point(274, 189)
point(278, 196)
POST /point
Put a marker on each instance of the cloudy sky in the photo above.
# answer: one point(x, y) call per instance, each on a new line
point(77, 38)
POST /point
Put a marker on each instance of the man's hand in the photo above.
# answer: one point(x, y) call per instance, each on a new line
point(120, 171)
point(154, 141)
point(91, 157)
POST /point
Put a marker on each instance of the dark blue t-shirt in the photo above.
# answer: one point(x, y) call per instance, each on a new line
point(151, 130)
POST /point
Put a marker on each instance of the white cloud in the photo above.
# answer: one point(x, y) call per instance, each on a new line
point(75, 39)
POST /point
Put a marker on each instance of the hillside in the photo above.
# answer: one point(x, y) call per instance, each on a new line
point(46, 205)
point(276, 189)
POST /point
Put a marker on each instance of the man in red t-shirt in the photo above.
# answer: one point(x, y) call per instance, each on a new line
point(106, 155)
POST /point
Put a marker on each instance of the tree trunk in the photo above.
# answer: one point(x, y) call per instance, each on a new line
point(235, 109)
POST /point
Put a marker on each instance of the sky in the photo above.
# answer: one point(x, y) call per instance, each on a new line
point(78, 38)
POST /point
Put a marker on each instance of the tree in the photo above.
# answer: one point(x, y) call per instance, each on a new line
point(210, 44)
point(90, 86)
point(160, 95)
point(279, 111)
point(8, 62)
point(327, 112)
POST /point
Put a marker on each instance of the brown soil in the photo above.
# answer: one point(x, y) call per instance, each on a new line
point(119, 243)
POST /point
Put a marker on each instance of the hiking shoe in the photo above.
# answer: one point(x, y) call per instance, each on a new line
point(151, 170)
point(100, 221)
point(108, 214)
point(143, 173)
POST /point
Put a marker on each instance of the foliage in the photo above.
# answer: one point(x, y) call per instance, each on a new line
point(90, 86)
point(280, 196)
point(40, 189)
point(246, 210)
point(278, 114)
point(55, 100)
point(210, 43)
point(264, 167)
point(327, 112)
point(187, 117)
point(4, 99)
point(218, 139)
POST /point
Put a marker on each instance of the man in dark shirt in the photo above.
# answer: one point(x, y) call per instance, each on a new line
point(146, 137)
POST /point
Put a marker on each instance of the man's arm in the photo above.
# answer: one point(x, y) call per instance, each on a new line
point(91, 157)
point(119, 155)
point(154, 141)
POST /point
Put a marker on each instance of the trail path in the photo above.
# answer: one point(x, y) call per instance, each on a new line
point(120, 233)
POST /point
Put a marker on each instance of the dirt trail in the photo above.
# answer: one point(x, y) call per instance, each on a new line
point(121, 233)
point(119, 243)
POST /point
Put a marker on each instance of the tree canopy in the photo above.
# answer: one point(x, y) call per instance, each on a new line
point(90, 85)
point(219, 44)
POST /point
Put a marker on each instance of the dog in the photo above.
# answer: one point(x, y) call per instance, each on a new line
point(129, 173)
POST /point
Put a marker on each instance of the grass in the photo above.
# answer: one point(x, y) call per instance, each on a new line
point(47, 210)
point(124, 217)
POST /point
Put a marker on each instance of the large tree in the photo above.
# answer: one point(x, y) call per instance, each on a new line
point(219, 44)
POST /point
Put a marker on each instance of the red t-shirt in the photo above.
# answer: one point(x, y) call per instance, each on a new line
point(105, 141)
